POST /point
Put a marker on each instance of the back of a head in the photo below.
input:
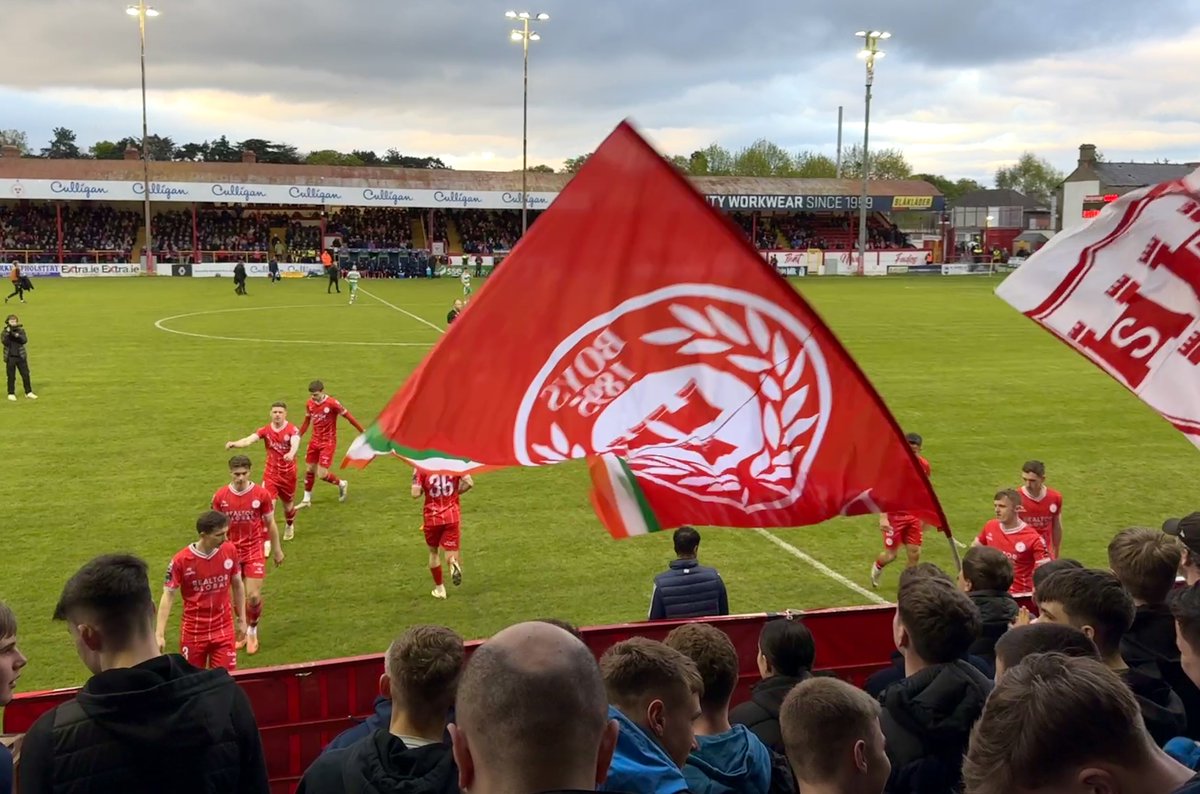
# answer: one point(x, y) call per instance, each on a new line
point(112, 593)
point(1024, 641)
point(1146, 561)
point(532, 705)
point(423, 666)
point(986, 568)
point(711, 650)
point(788, 647)
point(1044, 572)
point(1185, 608)
point(1089, 597)
point(639, 670)
point(686, 540)
point(1047, 718)
point(821, 719)
point(941, 622)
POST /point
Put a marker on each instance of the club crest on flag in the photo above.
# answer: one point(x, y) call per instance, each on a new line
point(712, 392)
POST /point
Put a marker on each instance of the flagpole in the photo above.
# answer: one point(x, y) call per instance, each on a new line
point(525, 35)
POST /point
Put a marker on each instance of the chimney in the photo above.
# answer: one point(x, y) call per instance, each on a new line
point(249, 156)
point(9, 151)
point(1087, 154)
point(132, 153)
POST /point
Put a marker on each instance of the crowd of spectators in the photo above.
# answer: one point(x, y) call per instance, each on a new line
point(488, 231)
point(987, 699)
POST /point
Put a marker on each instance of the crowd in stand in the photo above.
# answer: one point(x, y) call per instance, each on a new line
point(984, 698)
point(488, 231)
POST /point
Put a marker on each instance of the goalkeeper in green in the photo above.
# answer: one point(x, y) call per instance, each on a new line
point(352, 280)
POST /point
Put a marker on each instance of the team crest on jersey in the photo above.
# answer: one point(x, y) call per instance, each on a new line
point(256, 504)
point(228, 564)
point(325, 411)
point(712, 392)
point(1053, 508)
point(1020, 547)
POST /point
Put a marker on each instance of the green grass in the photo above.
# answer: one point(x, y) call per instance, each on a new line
point(125, 447)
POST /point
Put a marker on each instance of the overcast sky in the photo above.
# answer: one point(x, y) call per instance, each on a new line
point(966, 86)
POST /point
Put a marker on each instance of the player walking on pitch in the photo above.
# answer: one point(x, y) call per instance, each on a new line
point(209, 576)
point(1020, 542)
point(465, 278)
point(901, 529)
point(282, 440)
point(322, 412)
point(442, 522)
point(1041, 507)
point(251, 512)
point(352, 280)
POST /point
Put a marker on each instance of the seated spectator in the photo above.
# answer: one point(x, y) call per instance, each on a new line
point(144, 721)
point(880, 680)
point(1185, 608)
point(927, 717)
point(1094, 602)
point(727, 758)
point(785, 658)
point(1187, 529)
point(654, 695)
point(421, 672)
point(11, 662)
point(532, 715)
point(1024, 641)
point(688, 589)
point(1061, 724)
point(833, 739)
point(986, 578)
point(1146, 562)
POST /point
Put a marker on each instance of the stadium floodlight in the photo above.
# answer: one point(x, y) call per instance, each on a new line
point(525, 35)
point(869, 53)
point(141, 11)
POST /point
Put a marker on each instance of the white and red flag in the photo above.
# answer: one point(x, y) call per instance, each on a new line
point(1124, 290)
point(636, 327)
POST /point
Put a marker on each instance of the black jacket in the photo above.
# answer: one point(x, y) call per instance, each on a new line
point(162, 725)
point(688, 590)
point(761, 712)
point(997, 609)
point(13, 341)
point(382, 763)
point(1150, 642)
point(880, 680)
point(239, 272)
point(1162, 710)
point(927, 721)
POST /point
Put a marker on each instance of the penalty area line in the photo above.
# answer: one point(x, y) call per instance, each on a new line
point(822, 567)
point(402, 311)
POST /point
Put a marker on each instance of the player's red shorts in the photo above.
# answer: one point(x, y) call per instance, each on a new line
point(252, 561)
point(446, 536)
point(902, 531)
point(210, 654)
point(281, 486)
point(322, 456)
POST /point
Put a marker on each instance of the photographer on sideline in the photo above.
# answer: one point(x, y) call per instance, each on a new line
point(13, 339)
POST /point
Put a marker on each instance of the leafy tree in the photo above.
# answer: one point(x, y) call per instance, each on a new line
point(222, 151)
point(393, 157)
point(951, 189)
point(718, 160)
point(886, 163)
point(763, 158)
point(269, 152)
point(813, 165)
point(62, 145)
point(192, 152)
point(1032, 175)
point(15, 138)
point(680, 162)
point(106, 150)
point(698, 164)
point(541, 169)
point(367, 157)
point(331, 157)
point(572, 164)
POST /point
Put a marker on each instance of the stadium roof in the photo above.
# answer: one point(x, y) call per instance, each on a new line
point(1140, 174)
point(415, 179)
point(999, 198)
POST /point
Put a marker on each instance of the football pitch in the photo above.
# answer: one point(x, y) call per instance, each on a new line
point(142, 381)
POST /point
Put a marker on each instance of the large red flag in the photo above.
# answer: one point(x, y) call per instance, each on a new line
point(635, 326)
point(1124, 290)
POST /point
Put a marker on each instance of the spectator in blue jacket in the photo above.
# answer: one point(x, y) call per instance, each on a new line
point(688, 589)
point(654, 695)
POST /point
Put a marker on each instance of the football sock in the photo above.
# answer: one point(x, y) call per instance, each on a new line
point(289, 515)
point(253, 613)
point(332, 478)
point(437, 575)
point(309, 478)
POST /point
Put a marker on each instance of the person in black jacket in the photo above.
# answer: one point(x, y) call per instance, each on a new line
point(239, 279)
point(688, 589)
point(927, 717)
point(1094, 602)
point(13, 340)
point(786, 654)
point(144, 722)
point(421, 672)
point(986, 577)
point(1146, 561)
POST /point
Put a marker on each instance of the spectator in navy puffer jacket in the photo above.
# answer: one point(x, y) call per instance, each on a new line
point(688, 589)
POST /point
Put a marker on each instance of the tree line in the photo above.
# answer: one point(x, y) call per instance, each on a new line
point(1031, 175)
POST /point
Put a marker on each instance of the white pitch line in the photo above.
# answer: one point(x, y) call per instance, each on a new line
point(822, 567)
point(402, 311)
point(159, 324)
